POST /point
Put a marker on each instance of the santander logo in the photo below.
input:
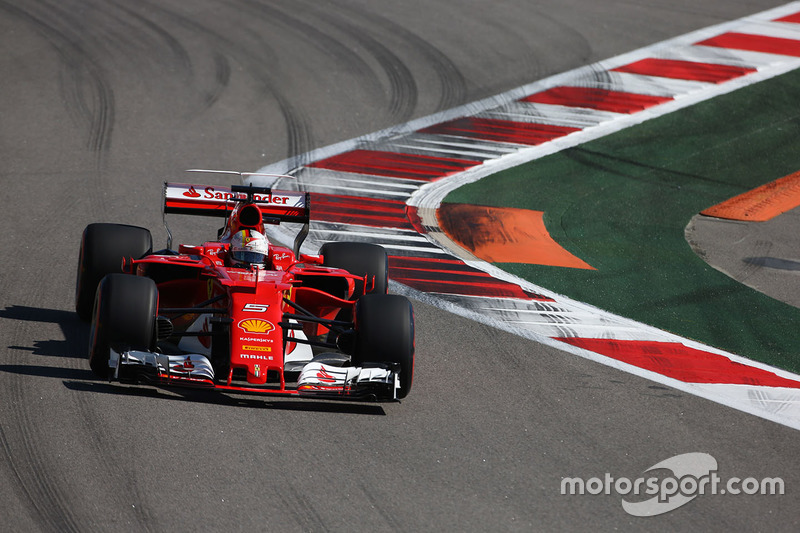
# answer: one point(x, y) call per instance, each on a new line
point(191, 193)
point(324, 376)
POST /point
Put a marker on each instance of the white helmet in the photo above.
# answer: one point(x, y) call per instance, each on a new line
point(249, 247)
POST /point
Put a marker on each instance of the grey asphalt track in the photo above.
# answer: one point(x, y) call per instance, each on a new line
point(761, 255)
point(104, 100)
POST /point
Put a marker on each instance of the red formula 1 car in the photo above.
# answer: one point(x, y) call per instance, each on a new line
point(240, 314)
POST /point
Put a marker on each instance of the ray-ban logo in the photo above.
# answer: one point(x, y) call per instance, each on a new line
point(670, 484)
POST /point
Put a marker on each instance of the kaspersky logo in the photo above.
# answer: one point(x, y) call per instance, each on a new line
point(256, 325)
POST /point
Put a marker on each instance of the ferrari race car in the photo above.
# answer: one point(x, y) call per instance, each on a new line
point(241, 314)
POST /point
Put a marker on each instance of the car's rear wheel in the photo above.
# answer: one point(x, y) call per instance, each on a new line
point(384, 333)
point(124, 318)
point(103, 247)
point(359, 258)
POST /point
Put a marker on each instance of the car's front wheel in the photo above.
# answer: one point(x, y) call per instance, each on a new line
point(124, 318)
point(384, 333)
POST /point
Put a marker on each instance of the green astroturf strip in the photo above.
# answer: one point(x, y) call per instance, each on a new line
point(621, 203)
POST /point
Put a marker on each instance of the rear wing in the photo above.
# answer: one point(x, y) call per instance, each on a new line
point(211, 200)
point(215, 201)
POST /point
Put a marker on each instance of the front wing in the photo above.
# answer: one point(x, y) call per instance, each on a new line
point(374, 381)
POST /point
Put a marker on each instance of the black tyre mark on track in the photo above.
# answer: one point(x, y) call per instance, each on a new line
point(36, 470)
point(313, 34)
point(257, 59)
point(45, 510)
point(177, 58)
point(222, 77)
point(562, 31)
point(451, 80)
point(302, 509)
point(46, 499)
point(403, 94)
point(299, 136)
point(84, 82)
point(107, 454)
point(403, 91)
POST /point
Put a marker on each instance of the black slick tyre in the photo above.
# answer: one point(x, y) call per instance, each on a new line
point(103, 247)
point(384, 333)
point(124, 318)
point(359, 258)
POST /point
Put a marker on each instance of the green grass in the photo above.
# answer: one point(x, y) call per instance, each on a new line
point(621, 203)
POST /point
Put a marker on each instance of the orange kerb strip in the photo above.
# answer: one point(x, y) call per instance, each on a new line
point(505, 235)
point(762, 203)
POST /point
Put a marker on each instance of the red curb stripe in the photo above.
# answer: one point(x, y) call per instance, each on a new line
point(361, 211)
point(394, 164)
point(429, 263)
point(599, 99)
point(500, 130)
point(755, 43)
point(463, 288)
point(434, 274)
point(680, 362)
point(685, 70)
point(790, 18)
point(454, 277)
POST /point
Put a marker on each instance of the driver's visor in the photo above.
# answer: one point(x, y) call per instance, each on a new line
point(243, 256)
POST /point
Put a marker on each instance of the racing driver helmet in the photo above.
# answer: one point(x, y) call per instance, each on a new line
point(248, 247)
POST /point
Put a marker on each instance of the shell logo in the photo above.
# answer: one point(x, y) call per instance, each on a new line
point(256, 325)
